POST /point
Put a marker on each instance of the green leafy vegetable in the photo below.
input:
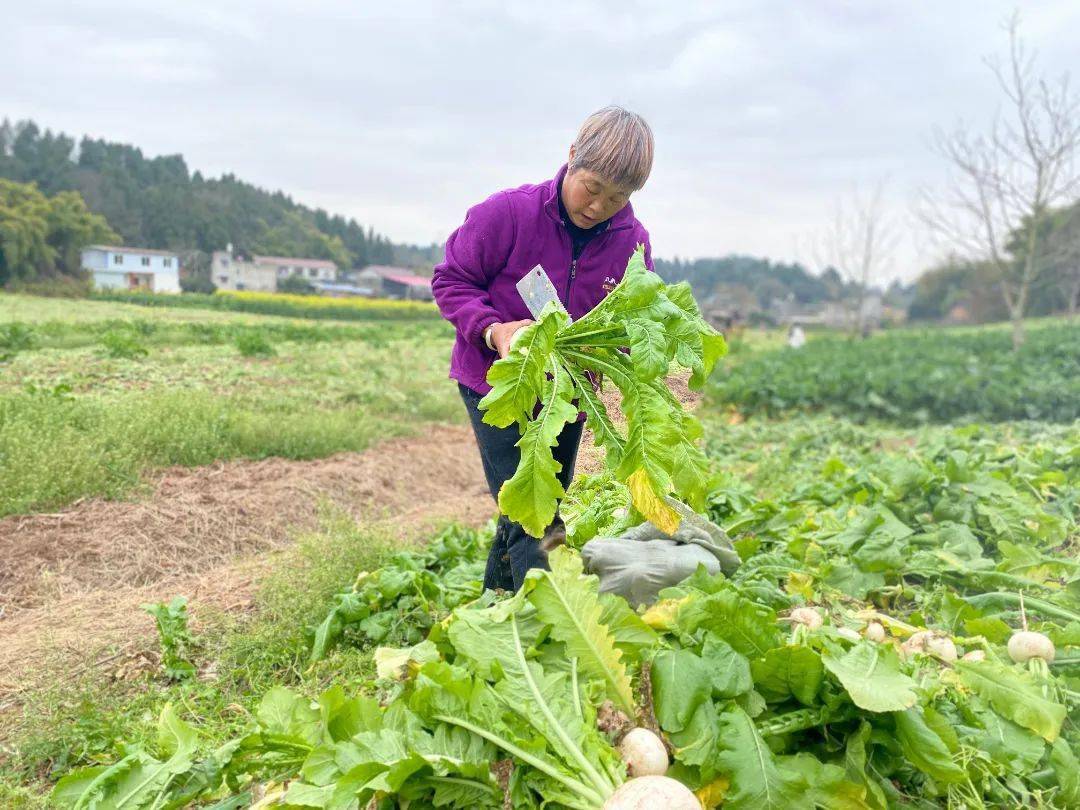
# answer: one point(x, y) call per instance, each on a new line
point(547, 363)
point(871, 675)
point(756, 779)
point(567, 601)
point(1015, 695)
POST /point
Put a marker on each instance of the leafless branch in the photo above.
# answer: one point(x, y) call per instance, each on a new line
point(1004, 183)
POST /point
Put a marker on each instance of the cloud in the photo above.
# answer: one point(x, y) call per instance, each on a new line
point(715, 54)
point(403, 115)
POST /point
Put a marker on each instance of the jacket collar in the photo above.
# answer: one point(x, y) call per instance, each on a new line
point(623, 219)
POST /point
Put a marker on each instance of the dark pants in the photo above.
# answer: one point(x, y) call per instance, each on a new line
point(513, 551)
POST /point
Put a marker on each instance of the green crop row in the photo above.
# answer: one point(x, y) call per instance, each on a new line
point(17, 336)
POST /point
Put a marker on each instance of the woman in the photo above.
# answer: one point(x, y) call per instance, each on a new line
point(580, 227)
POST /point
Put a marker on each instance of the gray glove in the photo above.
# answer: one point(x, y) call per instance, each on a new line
point(644, 560)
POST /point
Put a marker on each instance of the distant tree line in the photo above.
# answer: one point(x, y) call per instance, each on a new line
point(42, 236)
point(157, 202)
point(753, 282)
point(63, 194)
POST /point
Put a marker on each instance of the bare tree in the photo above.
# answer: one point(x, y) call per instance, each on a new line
point(858, 243)
point(1009, 177)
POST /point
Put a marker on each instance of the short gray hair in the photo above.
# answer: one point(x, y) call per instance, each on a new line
point(617, 145)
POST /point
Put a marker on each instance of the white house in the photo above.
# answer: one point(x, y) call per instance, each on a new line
point(230, 272)
point(129, 268)
point(262, 273)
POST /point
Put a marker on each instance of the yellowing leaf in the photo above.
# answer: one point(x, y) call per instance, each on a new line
point(650, 504)
point(661, 616)
point(391, 662)
point(712, 795)
point(800, 584)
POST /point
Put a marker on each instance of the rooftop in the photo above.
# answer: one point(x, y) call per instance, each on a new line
point(408, 279)
point(335, 287)
point(140, 251)
point(293, 260)
point(383, 270)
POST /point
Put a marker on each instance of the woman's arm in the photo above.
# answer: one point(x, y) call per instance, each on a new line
point(475, 253)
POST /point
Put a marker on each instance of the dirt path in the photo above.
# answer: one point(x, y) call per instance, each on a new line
point(72, 582)
point(197, 518)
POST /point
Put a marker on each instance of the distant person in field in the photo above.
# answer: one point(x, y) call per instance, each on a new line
point(796, 338)
point(580, 227)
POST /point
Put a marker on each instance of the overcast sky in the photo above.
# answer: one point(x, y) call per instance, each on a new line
point(404, 114)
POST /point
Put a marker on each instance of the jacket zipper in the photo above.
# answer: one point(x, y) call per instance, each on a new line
point(573, 267)
point(573, 261)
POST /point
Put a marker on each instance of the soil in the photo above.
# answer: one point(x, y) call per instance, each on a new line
point(198, 518)
point(72, 582)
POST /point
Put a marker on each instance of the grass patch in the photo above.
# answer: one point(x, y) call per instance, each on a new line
point(75, 424)
point(255, 344)
point(55, 449)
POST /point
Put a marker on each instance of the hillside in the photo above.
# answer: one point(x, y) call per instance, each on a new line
point(158, 202)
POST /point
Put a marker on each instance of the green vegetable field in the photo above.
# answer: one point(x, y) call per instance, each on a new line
point(903, 630)
point(919, 376)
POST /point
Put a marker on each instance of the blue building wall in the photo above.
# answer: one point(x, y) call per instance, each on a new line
point(114, 268)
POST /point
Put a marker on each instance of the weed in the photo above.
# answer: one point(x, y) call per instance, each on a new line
point(122, 344)
point(175, 639)
point(254, 343)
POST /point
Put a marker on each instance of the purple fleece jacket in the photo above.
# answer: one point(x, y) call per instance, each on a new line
point(501, 240)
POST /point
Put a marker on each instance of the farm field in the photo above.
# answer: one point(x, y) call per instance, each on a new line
point(909, 515)
point(914, 376)
point(89, 404)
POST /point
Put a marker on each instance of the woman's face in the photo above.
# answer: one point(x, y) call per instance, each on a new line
point(589, 199)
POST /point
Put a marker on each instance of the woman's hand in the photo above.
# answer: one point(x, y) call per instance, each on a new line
point(503, 333)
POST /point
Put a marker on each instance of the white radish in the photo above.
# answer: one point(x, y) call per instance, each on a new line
point(925, 641)
point(875, 632)
point(806, 616)
point(1027, 644)
point(644, 753)
point(941, 647)
point(915, 644)
point(974, 655)
point(652, 793)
